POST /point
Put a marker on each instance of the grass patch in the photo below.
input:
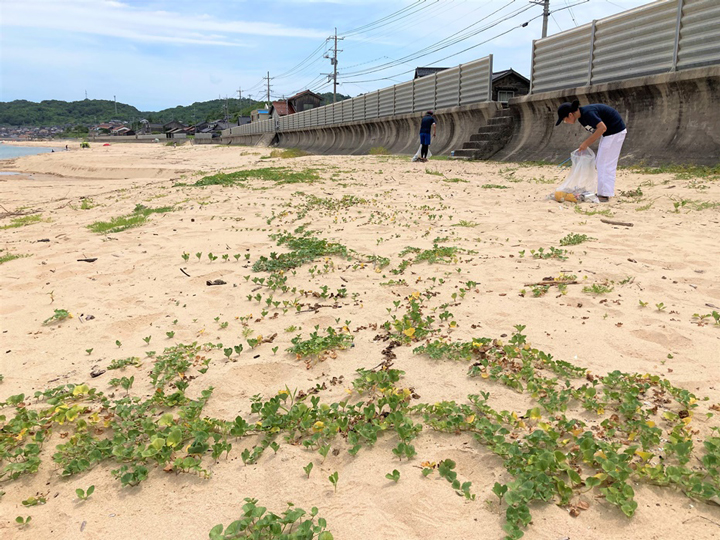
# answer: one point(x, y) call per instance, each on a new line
point(435, 173)
point(681, 172)
point(279, 175)
point(288, 153)
point(379, 151)
point(121, 223)
point(605, 212)
point(9, 257)
point(455, 180)
point(464, 223)
point(494, 186)
point(444, 254)
point(22, 221)
point(304, 248)
point(598, 288)
point(573, 239)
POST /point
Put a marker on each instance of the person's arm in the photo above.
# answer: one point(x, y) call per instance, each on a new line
point(599, 130)
point(434, 129)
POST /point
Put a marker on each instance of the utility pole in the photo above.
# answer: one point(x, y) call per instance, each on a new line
point(333, 62)
point(268, 88)
point(546, 13)
point(115, 100)
point(239, 91)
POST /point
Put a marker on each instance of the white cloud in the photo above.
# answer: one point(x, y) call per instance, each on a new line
point(118, 20)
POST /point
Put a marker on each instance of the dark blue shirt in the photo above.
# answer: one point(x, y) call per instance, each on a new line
point(592, 115)
point(426, 123)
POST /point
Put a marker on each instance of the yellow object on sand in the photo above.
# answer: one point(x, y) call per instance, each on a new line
point(561, 196)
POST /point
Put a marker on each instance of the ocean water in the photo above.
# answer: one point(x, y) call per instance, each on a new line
point(8, 151)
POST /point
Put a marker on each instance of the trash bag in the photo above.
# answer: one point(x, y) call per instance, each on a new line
point(417, 154)
point(581, 181)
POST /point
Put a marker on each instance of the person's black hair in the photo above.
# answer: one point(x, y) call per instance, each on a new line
point(575, 105)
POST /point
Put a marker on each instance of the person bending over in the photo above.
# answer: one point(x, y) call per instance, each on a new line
point(602, 121)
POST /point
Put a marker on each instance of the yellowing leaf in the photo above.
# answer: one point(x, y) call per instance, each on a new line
point(80, 389)
point(650, 423)
point(485, 376)
point(577, 432)
point(644, 455)
point(410, 332)
point(535, 413)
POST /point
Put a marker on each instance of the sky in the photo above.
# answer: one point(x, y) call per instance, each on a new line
point(156, 54)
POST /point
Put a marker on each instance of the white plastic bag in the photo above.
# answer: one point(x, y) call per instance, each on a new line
point(417, 154)
point(582, 177)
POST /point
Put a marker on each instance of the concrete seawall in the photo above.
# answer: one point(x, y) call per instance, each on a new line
point(670, 118)
point(398, 134)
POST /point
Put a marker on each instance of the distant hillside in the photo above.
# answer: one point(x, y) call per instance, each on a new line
point(205, 110)
point(95, 111)
point(327, 97)
point(53, 112)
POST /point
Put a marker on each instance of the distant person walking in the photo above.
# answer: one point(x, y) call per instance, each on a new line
point(602, 121)
point(428, 130)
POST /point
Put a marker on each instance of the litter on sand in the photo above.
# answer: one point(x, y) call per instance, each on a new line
point(580, 184)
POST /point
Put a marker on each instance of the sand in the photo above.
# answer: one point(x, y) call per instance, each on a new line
point(139, 285)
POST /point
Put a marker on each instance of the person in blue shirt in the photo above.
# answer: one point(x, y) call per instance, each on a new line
point(428, 130)
point(601, 121)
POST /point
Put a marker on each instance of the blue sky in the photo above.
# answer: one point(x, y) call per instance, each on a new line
point(156, 54)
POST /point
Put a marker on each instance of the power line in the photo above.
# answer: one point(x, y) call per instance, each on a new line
point(446, 42)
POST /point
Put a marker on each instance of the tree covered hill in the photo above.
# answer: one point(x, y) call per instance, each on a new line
point(95, 111)
point(53, 112)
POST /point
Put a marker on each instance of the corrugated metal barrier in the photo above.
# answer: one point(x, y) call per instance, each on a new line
point(461, 85)
point(657, 38)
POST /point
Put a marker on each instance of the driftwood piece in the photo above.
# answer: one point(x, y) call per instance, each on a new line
point(623, 223)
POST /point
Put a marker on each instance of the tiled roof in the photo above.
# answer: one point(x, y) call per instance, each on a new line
point(500, 74)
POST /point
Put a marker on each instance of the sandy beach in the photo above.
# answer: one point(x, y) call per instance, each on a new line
point(627, 302)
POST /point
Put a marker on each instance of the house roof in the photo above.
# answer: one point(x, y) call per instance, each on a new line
point(283, 108)
point(500, 74)
point(291, 98)
point(423, 71)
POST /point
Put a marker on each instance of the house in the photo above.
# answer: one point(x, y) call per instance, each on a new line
point(259, 114)
point(505, 84)
point(242, 120)
point(425, 71)
point(280, 108)
point(508, 84)
point(150, 127)
point(122, 131)
point(304, 101)
point(170, 126)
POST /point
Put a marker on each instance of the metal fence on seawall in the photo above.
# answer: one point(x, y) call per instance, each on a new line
point(461, 85)
point(657, 38)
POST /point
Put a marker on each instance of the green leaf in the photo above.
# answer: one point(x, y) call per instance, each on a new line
point(325, 535)
point(175, 437)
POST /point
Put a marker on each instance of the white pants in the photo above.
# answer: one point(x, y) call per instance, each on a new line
point(607, 159)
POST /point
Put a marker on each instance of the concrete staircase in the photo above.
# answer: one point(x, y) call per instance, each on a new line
point(489, 139)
